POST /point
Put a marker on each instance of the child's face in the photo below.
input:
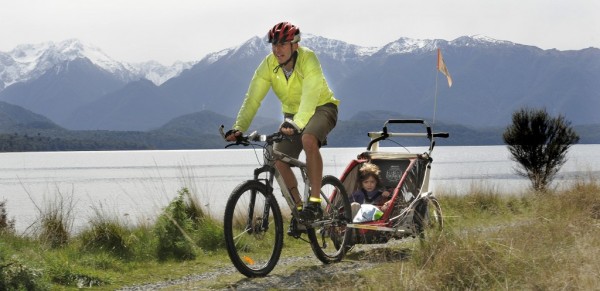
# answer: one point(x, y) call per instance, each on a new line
point(369, 183)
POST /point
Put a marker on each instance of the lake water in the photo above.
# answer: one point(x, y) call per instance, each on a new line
point(136, 185)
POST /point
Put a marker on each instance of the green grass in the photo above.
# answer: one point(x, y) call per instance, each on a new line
point(491, 241)
point(108, 253)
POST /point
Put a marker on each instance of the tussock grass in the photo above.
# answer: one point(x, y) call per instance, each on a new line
point(106, 233)
point(491, 241)
point(55, 220)
point(538, 241)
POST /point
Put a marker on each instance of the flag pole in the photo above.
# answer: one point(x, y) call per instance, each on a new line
point(435, 96)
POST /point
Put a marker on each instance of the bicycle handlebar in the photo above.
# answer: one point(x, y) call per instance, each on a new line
point(246, 140)
point(377, 134)
point(376, 137)
point(417, 121)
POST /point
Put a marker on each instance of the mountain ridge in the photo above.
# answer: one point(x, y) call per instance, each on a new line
point(400, 75)
point(22, 130)
point(28, 61)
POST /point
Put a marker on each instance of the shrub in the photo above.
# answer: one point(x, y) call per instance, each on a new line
point(539, 143)
point(6, 225)
point(173, 229)
point(143, 242)
point(210, 234)
point(16, 276)
point(193, 208)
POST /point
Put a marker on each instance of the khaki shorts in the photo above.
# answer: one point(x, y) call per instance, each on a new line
point(319, 125)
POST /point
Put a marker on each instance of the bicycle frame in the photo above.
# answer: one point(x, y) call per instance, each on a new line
point(272, 174)
point(270, 156)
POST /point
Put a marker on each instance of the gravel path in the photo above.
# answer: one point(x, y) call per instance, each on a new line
point(359, 258)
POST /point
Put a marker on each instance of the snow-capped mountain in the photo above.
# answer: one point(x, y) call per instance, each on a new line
point(479, 40)
point(29, 61)
point(330, 48)
point(85, 89)
point(336, 49)
point(157, 72)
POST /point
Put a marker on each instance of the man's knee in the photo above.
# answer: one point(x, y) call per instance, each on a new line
point(310, 142)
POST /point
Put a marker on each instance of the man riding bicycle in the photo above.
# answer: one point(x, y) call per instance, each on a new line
point(309, 109)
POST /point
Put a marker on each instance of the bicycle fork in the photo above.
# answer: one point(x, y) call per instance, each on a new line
point(262, 223)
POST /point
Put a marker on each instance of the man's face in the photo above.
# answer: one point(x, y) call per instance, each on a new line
point(283, 51)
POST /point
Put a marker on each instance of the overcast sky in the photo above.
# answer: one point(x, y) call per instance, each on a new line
point(187, 30)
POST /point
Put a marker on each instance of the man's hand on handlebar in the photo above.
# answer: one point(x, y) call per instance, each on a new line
point(288, 127)
point(233, 135)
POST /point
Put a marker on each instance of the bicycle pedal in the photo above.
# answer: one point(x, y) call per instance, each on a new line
point(293, 233)
point(296, 229)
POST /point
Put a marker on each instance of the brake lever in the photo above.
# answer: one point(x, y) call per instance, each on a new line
point(238, 139)
point(222, 131)
point(279, 137)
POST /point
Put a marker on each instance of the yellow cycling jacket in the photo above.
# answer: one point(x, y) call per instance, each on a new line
point(300, 95)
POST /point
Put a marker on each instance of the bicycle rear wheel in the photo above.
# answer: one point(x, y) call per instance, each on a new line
point(253, 229)
point(428, 216)
point(331, 240)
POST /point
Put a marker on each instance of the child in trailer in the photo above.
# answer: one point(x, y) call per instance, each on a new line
point(369, 201)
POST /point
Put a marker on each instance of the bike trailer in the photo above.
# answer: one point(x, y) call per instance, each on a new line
point(404, 174)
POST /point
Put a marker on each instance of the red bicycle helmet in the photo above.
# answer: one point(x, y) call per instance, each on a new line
point(284, 32)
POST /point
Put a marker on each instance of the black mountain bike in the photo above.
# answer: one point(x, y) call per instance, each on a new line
point(253, 223)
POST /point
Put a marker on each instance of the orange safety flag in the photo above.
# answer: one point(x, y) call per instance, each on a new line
point(441, 66)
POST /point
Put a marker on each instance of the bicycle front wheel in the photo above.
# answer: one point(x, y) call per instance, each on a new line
point(331, 239)
point(253, 229)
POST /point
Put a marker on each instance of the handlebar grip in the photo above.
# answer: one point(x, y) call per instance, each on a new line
point(441, 134)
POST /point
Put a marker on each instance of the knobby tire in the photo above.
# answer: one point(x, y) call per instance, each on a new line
point(253, 244)
point(329, 242)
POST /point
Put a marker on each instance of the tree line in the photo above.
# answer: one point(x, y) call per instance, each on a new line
point(16, 142)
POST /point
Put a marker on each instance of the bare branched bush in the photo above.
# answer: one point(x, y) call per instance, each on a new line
point(539, 144)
